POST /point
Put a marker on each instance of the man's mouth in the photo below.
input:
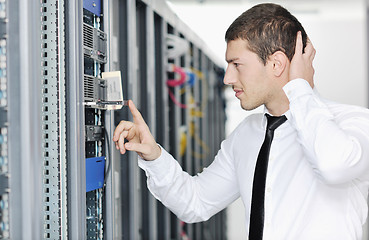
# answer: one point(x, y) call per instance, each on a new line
point(238, 92)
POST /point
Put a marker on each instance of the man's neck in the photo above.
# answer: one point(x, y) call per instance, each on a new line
point(279, 106)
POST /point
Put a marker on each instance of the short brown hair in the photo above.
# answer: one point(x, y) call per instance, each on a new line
point(267, 28)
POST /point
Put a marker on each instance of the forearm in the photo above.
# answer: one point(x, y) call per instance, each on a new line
point(172, 186)
point(191, 198)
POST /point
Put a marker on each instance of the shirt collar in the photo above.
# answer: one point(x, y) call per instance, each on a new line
point(264, 119)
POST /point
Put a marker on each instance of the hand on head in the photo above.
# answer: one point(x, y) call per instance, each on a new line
point(138, 136)
point(302, 63)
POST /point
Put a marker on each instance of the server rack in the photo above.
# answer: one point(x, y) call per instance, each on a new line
point(52, 58)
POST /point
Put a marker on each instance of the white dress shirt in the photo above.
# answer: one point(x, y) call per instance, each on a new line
point(318, 172)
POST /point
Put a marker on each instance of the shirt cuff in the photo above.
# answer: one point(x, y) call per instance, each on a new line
point(157, 167)
point(296, 88)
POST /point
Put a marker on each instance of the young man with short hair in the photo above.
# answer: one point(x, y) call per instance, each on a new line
point(313, 153)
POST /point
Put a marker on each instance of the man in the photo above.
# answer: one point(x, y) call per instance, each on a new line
point(317, 178)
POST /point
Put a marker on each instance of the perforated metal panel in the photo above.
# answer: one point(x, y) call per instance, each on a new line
point(53, 120)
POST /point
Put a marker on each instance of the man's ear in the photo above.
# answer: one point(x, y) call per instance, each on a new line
point(278, 61)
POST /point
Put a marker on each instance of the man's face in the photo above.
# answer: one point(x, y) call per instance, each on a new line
point(247, 75)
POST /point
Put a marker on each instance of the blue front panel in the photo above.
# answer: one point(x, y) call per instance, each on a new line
point(93, 6)
point(95, 169)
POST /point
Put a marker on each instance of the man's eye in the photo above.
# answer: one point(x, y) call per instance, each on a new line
point(236, 64)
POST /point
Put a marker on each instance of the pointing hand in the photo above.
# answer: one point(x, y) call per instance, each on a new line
point(137, 135)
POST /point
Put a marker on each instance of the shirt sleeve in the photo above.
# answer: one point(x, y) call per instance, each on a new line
point(337, 146)
point(192, 198)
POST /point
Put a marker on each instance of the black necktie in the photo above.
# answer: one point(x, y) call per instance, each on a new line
point(258, 187)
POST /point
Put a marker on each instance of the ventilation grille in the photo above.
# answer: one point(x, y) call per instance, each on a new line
point(88, 36)
point(89, 83)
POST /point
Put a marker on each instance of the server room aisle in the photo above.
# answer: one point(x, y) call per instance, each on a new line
point(65, 69)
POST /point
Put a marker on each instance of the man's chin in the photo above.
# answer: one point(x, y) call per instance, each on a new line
point(249, 107)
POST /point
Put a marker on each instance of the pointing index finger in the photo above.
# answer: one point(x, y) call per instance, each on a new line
point(137, 117)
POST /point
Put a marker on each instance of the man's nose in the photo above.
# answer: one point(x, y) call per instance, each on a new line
point(229, 77)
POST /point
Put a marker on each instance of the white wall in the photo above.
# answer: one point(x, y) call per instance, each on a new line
point(338, 32)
